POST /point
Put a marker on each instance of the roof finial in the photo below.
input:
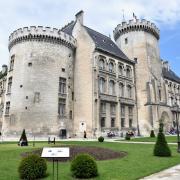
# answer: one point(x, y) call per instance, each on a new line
point(134, 16)
point(123, 18)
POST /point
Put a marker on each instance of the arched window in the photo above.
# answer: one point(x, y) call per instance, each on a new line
point(128, 72)
point(111, 87)
point(120, 69)
point(129, 91)
point(121, 90)
point(111, 67)
point(102, 85)
point(101, 64)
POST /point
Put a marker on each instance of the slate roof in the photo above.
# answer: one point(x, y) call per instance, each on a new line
point(169, 74)
point(68, 28)
point(102, 42)
point(105, 44)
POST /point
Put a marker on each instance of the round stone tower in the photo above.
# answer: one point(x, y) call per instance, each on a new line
point(40, 60)
point(138, 39)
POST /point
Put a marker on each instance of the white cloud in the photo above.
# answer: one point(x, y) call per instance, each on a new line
point(102, 15)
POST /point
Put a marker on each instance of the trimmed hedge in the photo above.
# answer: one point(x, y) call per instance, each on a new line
point(84, 166)
point(100, 139)
point(161, 147)
point(32, 167)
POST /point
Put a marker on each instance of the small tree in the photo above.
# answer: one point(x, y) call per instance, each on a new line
point(161, 147)
point(128, 136)
point(23, 140)
point(152, 135)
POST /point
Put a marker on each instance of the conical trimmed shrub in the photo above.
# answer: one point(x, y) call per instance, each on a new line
point(161, 147)
point(23, 139)
point(152, 135)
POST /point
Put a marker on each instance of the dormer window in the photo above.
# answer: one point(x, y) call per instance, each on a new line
point(120, 69)
point(128, 72)
point(101, 64)
point(111, 67)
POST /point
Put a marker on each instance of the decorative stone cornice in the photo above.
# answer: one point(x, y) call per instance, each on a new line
point(41, 33)
point(136, 25)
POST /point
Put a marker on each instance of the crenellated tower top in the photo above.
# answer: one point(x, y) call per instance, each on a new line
point(136, 25)
point(40, 33)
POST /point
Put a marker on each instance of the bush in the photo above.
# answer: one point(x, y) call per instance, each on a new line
point(84, 166)
point(23, 140)
point(32, 167)
point(101, 139)
point(152, 134)
point(128, 136)
point(161, 147)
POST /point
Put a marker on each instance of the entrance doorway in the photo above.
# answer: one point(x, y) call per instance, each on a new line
point(63, 133)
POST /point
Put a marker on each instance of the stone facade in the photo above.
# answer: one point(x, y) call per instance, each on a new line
point(66, 81)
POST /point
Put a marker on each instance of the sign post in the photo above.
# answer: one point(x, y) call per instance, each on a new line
point(55, 153)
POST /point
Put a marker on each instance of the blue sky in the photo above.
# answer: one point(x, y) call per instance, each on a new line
point(101, 15)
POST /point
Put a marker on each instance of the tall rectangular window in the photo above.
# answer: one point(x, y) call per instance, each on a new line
point(62, 107)
point(130, 116)
point(121, 90)
point(122, 116)
point(102, 121)
point(9, 85)
point(7, 108)
point(70, 114)
point(113, 109)
point(62, 85)
point(112, 122)
point(12, 63)
point(103, 107)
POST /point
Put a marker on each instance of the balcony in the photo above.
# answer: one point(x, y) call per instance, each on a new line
point(128, 101)
point(107, 72)
point(108, 98)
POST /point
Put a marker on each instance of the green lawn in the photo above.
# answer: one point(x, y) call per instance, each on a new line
point(169, 139)
point(138, 163)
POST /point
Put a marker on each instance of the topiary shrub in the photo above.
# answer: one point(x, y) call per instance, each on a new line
point(161, 147)
point(101, 139)
point(32, 167)
point(23, 139)
point(152, 135)
point(128, 136)
point(84, 166)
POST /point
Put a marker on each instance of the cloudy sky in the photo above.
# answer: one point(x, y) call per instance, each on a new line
point(101, 15)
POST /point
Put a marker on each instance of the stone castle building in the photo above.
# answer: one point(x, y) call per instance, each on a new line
point(66, 81)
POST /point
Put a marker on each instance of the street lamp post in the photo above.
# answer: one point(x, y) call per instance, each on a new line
point(177, 124)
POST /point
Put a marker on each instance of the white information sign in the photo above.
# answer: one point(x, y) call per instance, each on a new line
point(55, 152)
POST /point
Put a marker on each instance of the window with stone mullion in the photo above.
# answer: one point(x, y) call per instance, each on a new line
point(62, 85)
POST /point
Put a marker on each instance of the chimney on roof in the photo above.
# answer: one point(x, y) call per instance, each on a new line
point(79, 16)
point(166, 65)
point(4, 68)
